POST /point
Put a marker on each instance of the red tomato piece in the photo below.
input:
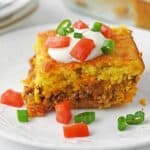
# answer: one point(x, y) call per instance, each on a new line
point(63, 112)
point(76, 130)
point(82, 49)
point(58, 41)
point(12, 98)
point(80, 25)
point(106, 31)
point(63, 106)
point(63, 117)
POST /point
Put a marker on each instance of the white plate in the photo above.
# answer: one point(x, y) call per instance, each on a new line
point(15, 50)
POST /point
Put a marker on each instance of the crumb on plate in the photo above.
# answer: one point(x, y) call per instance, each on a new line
point(143, 101)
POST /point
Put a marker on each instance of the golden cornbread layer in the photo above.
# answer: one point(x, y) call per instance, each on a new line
point(103, 82)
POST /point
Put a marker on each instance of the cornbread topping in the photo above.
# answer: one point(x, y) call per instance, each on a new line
point(81, 44)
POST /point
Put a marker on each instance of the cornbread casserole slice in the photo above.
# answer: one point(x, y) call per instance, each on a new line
point(102, 82)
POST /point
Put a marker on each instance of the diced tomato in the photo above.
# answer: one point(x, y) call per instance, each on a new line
point(82, 49)
point(58, 41)
point(76, 130)
point(106, 31)
point(12, 98)
point(64, 117)
point(80, 25)
point(63, 106)
point(63, 112)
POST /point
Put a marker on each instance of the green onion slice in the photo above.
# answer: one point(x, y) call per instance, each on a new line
point(139, 117)
point(85, 117)
point(96, 26)
point(130, 119)
point(108, 46)
point(69, 29)
point(138, 120)
point(62, 31)
point(78, 35)
point(140, 114)
point(22, 115)
point(122, 125)
point(65, 23)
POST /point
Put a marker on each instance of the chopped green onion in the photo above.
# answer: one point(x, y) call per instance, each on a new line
point(78, 35)
point(122, 125)
point(62, 31)
point(108, 46)
point(139, 117)
point(96, 26)
point(22, 115)
point(85, 117)
point(140, 113)
point(138, 120)
point(65, 23)
point(130, 119)
point(69, 29)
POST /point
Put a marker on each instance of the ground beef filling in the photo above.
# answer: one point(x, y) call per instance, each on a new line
point(100, 94)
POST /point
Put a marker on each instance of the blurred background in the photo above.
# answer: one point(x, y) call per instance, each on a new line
point(18, 14)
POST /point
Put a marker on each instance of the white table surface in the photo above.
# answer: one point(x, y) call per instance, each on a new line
point(49, 11)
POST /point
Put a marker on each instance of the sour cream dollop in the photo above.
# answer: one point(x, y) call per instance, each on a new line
point(63, 54)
